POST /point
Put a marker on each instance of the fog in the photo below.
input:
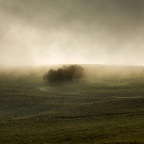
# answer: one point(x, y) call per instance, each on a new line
point(43, 32)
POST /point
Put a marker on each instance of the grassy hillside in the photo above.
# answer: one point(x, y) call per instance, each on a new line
point(106, 107)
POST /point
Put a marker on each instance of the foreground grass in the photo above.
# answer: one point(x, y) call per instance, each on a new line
point(89, 130)
point(105, 109)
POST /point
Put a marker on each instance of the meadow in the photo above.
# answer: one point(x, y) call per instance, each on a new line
point(107, 106)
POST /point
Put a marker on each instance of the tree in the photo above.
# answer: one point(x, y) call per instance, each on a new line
point(64, 74)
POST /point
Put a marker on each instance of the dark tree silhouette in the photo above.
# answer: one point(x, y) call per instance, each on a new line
point(64, 74)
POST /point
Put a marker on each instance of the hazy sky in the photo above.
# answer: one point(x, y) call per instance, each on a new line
point(39, 32)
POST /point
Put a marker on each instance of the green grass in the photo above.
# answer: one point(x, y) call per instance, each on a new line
point(106, 107)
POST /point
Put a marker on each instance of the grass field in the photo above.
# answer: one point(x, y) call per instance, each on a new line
point(106, 107)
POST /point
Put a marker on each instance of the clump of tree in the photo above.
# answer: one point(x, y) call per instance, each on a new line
point(65, 74)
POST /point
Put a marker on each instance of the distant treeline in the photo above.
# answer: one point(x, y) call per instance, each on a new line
point(65, 74)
